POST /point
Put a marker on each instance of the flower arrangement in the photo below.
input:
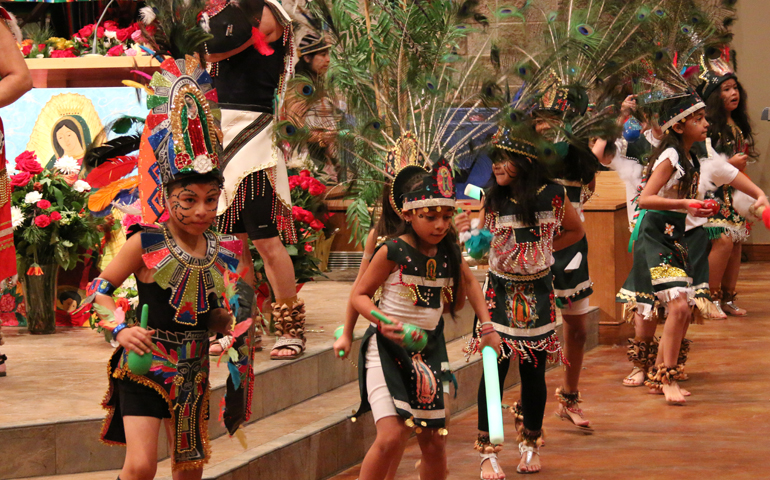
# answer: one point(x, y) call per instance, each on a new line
point(111, 41)
point(309, 215)
point(48, 217)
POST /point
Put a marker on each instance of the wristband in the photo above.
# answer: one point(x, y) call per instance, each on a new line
point(117, 330)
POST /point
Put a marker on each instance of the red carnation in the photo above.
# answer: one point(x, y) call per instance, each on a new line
point(115, 51)
point(301, 214)
point(293, 181)
point(304, 182)
point(41, 48)
point(42, 221)
point(316, 224)
point(308, 247)
point(111, 26)
point(27, 162)
point(21, 179)
point(26, 49)
point(304, 173)
point(44, 204)
point(55, 216)
point(100, 32)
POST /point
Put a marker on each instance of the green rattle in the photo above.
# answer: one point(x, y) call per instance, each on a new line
point(337, 335)
point(415, 338)
point(139, 364)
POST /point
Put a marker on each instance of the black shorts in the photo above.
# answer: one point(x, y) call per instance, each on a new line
point(252, 209)
point(137, 400)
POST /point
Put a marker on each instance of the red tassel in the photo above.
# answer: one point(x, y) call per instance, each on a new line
point(259, 42)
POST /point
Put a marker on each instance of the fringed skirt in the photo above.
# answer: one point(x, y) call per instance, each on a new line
point(523, 311)
point(727, 220)
point(661, 269)
point(697, 241)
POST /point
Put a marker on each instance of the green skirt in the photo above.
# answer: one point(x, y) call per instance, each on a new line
point(415, 380)
point(661, 269)
point(575, 284)
point(523, 311)
point(727, 221)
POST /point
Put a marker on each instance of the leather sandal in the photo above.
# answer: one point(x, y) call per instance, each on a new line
point(729, 306)
point(529, 446)
point(569, 408)
point(290, 327)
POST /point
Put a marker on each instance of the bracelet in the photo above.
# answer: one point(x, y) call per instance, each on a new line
point(487, 323)
point(117, 330)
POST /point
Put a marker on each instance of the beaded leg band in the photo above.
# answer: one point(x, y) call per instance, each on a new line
point(684, 352)
point(569, 400)
point(661, 375)
point(531, 438)
point(642, 353)
point(289, 320)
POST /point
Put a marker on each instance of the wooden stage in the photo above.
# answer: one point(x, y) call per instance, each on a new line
point(721, 433)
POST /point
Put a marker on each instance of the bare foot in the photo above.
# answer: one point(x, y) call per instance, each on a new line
point(488, 469)
point(657, 391)
point(673, 393)
point(575, 415)
point(530, 460)
point(635, 378)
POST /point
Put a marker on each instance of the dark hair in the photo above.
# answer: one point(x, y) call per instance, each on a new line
point(303, 66)
point(72, 125)
point(717, 116)
point(214, 176)
point(448, 243)
point(673, 140)
point(389, 223)
point(580, 164)
point(523, 190)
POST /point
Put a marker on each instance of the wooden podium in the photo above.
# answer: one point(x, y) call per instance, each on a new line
point(609, 262)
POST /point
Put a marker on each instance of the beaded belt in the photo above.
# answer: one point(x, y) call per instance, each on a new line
point(520, 277)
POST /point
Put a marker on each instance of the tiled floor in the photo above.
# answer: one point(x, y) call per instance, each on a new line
point(63, 376)
point(720, 434)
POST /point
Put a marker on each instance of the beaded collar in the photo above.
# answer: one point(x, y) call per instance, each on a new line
point(191, 279)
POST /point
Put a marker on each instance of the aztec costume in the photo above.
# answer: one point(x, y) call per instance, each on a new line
point(393, 379)
point(251, 85)
point(181, 140)
point(727, 220)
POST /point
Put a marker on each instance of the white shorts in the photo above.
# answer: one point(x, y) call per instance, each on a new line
point(576, 308)
point(378, 394)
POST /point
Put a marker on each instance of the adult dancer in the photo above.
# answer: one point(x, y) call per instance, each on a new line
point(251, 59)
point(15, 82)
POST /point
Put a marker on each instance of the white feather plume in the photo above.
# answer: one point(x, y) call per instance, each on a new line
point(147, 15)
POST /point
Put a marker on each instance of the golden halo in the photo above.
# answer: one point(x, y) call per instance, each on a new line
point(62, 105)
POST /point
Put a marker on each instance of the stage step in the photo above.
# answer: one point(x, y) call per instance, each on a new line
point(316, 439)
point(67, 443)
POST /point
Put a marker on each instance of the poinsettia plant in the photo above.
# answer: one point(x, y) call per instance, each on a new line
point(50, 224)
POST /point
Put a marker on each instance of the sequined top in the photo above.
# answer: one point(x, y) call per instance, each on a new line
point(521, 249)
point(417, 291)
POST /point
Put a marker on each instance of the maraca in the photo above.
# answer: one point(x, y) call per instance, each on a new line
point(337, 334)
point(415, 338)
point(139, 364)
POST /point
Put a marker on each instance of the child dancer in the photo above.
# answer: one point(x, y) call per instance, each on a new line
point(180, 267)
point(422, 274)
point(730, 133)
point(526, 215)
point(661, 268)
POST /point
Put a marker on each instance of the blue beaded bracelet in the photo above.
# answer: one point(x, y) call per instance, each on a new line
point(117, 330)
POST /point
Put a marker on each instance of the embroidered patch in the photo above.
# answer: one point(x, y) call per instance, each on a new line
point(430, 270)
point(444, 181)
point(521, 306)
point(669, 230)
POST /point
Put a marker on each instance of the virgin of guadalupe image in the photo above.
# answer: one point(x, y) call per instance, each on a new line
point(64, 129)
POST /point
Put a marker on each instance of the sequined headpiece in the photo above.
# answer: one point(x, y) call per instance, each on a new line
point(715, 71)
point(506, 139)
point(312, 43)
point(183, 124)
point(681, 109)
point(437, 189)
